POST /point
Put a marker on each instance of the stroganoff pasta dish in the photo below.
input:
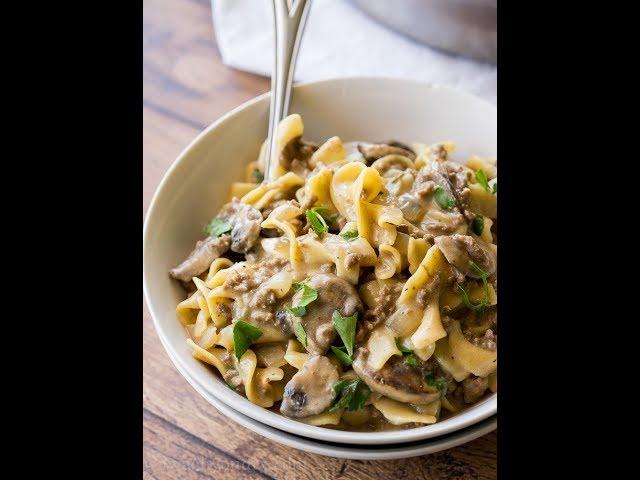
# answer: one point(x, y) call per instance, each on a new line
point(357, 289)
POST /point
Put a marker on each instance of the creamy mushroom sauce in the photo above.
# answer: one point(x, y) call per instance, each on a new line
point(357, 290)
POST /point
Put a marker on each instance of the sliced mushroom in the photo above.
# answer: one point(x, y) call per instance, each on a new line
point(391, 165)
point(426, 215)
point(395, 380)
point(460, 250)
point(309, 391)
point(201, 257)
point(245, 221)
point(334, 293)
point(374, 151)
point(296, 155)
point(395, 143)
point(473, 388)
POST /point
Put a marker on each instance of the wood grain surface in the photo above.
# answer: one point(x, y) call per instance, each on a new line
point(186, 87)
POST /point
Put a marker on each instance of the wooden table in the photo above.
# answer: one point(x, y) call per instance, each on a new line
point(186, 87)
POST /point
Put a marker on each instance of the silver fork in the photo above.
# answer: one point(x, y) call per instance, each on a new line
point(290, 18)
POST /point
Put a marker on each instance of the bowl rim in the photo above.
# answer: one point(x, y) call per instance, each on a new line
point(469, 416)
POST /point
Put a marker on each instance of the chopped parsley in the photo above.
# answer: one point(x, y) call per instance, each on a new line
point(443, 199)
point(342, 355)
point(402, 348)
point(410, 358)
point(350, 235)
point(244, 334)
point(482, 179)
point(440, 383)
point(315, 219)
point(309, 295)
point(217, 227)
point(465, 296)
point(413, 360)
point(346, 328)
point(350, 395)
point(477, 225)
point(301, 333)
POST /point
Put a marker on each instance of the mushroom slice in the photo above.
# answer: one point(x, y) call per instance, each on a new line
point(309, 392)
point(200, 259)
point(374, 151)
point(460, 250)
point(245, 221)
point(296, 155)
point(395, 380)
point(393, 164)
point(334, 293)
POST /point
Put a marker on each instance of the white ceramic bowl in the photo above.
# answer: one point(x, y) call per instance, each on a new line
point(197, 185)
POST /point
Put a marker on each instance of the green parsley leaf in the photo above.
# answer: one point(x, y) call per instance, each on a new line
point(244, 335)
point(443, 199)
point(481, 177)
point(217, 227)
point(342, 355)
point(309, 295)
point(465, 296)
point(299, 285)
point(258, 175)
point(346, 328)
point(316, 221)
point(477, 225)
point(338, 386)
point(495, 187)
point(327, 214)
point(350, 235)
point(467, 301)
point(301, 333)
point(401, 348)
point(440, 383)
point(350, 394)
point(297, 311)
point(478, 269)
point(413, 360)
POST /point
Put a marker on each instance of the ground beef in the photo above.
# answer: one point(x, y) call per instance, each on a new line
point(245, 221)
point(307, 199)
point(223, 309)
point(385, 305)
point(255, 303)
point(340, 222)
point(351, 260)
point(473, 388)
point(459, 177)
point(426, 293)
point(488, 341)
point(249, 277)
point(271, 206)
point(261, 304)
point(426, 188)
point(232, 378)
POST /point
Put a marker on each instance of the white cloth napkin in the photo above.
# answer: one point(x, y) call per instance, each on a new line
point(339, 41)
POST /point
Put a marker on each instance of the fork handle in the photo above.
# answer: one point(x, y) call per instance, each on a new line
point(290, 18)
